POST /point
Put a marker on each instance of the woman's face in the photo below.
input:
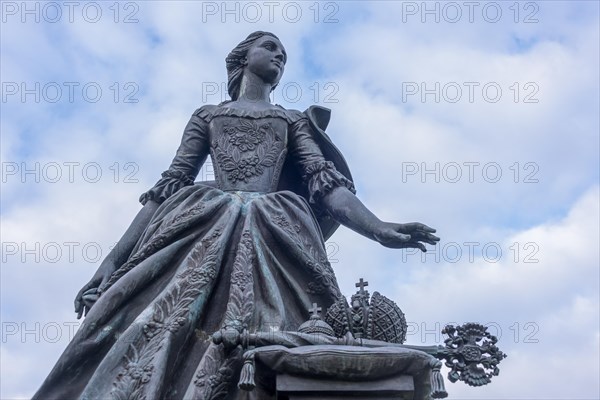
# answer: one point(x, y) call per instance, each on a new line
point(266, 59)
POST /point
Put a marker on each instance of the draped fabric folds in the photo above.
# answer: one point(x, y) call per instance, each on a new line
point(239, 253)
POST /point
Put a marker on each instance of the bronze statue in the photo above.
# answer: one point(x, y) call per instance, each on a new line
point(245, 252)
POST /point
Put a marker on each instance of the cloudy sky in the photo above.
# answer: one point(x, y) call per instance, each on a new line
point(477, 118)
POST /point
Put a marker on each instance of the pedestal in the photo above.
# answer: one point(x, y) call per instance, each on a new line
point(290, 387)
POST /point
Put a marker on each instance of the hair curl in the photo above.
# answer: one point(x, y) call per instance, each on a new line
point(235, 66)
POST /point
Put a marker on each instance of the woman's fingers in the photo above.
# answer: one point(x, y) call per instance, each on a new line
point(78, 299)
point(431, 239)
point(413, 245)
point(425, 237)
point(427, 228)
point(420, 246)
point(417, 226)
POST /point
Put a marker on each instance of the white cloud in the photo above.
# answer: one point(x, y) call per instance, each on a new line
point(367, 55)
point(545, 313)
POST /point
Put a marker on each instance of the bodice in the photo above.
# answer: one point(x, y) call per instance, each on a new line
point(248, 153)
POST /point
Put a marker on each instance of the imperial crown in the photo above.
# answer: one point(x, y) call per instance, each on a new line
point(375, 317)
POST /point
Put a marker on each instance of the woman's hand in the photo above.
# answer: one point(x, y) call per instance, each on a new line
point(348, 210)
point(399, 236)
point(88, 294)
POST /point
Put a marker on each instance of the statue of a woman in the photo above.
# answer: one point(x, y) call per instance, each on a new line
point(246, 252)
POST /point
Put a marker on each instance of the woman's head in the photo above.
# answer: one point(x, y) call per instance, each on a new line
point(262, 53)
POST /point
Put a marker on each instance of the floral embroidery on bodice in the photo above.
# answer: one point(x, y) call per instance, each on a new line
point(248, 153)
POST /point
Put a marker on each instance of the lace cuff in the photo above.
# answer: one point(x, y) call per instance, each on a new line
point(322, 178)
point(170, 182)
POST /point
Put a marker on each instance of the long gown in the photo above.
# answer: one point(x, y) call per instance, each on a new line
point(240, 253)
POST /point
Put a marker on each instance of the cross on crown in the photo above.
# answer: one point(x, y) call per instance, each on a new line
point(314, 311)
point(361, 285)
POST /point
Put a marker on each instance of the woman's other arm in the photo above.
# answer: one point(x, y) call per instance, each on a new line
point(117, 256)
point(184, 168)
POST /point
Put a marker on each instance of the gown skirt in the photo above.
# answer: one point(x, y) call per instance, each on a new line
point(208, 259)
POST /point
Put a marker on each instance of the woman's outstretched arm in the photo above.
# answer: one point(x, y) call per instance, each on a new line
point(334, 192)
point(349, 211)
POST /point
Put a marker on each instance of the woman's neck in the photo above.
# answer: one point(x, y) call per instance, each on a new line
point(254, 90)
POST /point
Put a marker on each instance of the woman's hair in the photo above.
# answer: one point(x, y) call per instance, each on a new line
point(234, 63)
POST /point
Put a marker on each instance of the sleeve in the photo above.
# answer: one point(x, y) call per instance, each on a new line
point(190, 156)
point(319, 175)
